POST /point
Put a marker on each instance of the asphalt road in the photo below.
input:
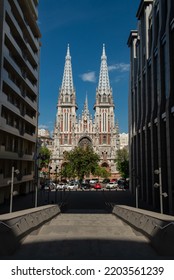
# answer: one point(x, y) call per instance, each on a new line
point(95, 199)
point(80, 199)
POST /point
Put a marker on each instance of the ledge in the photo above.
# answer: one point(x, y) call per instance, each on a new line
point(159, 228)
point(15, 226)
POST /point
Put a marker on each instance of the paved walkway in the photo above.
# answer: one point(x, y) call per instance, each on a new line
point(85, 235)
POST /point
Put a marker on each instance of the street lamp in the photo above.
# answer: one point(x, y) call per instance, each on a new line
point(56, 173)
point(56, 183)
point(49, 172)
point(137, 186)
point(159, 185)
point(13, 171)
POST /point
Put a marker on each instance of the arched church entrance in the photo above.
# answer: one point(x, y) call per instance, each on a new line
point(106, 166)
point(84, 142)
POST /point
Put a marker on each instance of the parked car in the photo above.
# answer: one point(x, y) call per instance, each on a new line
point(61, 186)
point(114, 180)
point(97, 186)
point(93, 181)
point(52, 186)
point(111, 185)
point(105, 181)
point(46, 188)
point(123, 183)
point(72, 186)
point(85, 186)
point(49, 185)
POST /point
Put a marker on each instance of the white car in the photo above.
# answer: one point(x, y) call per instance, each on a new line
point(111, 185)
point(93, 181)
point(72, 186)
point(61, 186)
point(52, 186)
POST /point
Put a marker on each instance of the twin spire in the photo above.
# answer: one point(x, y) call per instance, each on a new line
point(67, 81)
point(104, 85)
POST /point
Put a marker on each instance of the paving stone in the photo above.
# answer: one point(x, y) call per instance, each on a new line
point(86, 236)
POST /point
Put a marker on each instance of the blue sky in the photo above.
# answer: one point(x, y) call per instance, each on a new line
point(85, 25)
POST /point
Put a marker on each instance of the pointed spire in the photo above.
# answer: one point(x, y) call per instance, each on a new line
point(86, 110)
point(67, 81)
point(104, 53)
point(104, 84)
point(68, 53)
point(86, 102)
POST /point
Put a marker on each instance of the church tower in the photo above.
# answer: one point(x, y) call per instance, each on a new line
point(101, 133)
point(107, 134)
point(64, 130)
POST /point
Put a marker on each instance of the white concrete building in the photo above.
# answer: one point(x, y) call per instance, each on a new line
point(124, 140)
point(42, 132)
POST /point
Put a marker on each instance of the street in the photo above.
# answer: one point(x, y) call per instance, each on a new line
point(71, 199)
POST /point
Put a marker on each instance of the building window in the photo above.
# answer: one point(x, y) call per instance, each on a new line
point(104, 122)
point(104, 139)
point(150, 36)
point(165, 72)
point(156, 23)
point(66, 139)
point(66, 117)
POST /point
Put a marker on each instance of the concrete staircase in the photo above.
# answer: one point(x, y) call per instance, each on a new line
point(85, 236)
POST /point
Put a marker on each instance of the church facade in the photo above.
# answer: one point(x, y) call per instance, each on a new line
point(100, 132)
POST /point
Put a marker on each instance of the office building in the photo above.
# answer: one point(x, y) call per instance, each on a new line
point(151, 105)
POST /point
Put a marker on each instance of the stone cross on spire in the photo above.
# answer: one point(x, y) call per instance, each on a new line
point(67, 81)
point(104, 84)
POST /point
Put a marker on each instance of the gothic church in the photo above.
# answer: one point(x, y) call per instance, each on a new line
point(101, 133)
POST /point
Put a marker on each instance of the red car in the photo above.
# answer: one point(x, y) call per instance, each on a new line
point(114, 180)
point(97, 186)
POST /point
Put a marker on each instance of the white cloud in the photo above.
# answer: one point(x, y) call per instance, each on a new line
point(121, 67)
point(43, 126)
point(88, 77)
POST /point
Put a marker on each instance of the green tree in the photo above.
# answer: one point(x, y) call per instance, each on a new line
point(67, 171)
point(101, 172)
point(80, 162)
point(44, 156)
point(122, 161)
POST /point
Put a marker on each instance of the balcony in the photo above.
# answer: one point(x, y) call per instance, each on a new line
point(6, 181)
point(8, 154)
point(27, 8)
point(21, 53)
point(20, 29)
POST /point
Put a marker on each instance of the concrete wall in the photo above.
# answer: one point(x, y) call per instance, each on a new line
point(15, 226)
point(159, 228)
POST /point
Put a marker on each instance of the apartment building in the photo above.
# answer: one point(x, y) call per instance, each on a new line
point(151, 105)
point(19, 92)
point(42, 132)
point(45, 139)
point(124, 140)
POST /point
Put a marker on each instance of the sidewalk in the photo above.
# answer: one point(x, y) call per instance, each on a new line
point(21, 202)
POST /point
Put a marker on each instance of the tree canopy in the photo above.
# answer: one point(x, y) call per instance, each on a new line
point(44, 156)
point(82, 162)
point(122, 161)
